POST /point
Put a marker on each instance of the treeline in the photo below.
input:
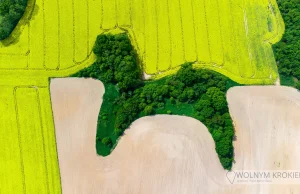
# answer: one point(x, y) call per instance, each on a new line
point(127, 97)
point(287, 51)
point(10, 13)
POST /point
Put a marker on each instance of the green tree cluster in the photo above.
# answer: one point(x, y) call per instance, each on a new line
point(287, 51)
point(10, 13)
point(127, 97)
point(116, 62)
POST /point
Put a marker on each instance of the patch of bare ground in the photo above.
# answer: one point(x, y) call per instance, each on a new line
point(267, 128)
point(159, 154)
point(174, 154)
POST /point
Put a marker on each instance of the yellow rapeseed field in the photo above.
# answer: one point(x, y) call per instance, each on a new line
point(55, 39)
point(28, 161)
point(232, 37)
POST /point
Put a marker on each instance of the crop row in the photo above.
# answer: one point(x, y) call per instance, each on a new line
point(29, 161)
point(227, 35)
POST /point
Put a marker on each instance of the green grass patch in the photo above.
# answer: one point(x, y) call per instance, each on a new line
point(106, 119)
point(176, 108)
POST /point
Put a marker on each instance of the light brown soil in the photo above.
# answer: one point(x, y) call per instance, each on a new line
point(174, 154)
point(268, 132)
point(160, 154)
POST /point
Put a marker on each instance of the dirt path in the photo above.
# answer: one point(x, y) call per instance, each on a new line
point(277, 83)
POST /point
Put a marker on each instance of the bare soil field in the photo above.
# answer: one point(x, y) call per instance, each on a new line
point(160, 154)
point(267, 128)
point(174, 154)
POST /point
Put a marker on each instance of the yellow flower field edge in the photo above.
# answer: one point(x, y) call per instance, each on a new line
point(277, 22)
point(236, 78)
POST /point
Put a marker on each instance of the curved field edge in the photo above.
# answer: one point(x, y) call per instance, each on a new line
point(197, 93)
point(234, 77)
point(270, 37)
point(197, 65)
point(17, 30)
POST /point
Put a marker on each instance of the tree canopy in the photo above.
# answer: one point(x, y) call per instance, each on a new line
point(198, 93)
point(287, 51)
point(10, 13)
